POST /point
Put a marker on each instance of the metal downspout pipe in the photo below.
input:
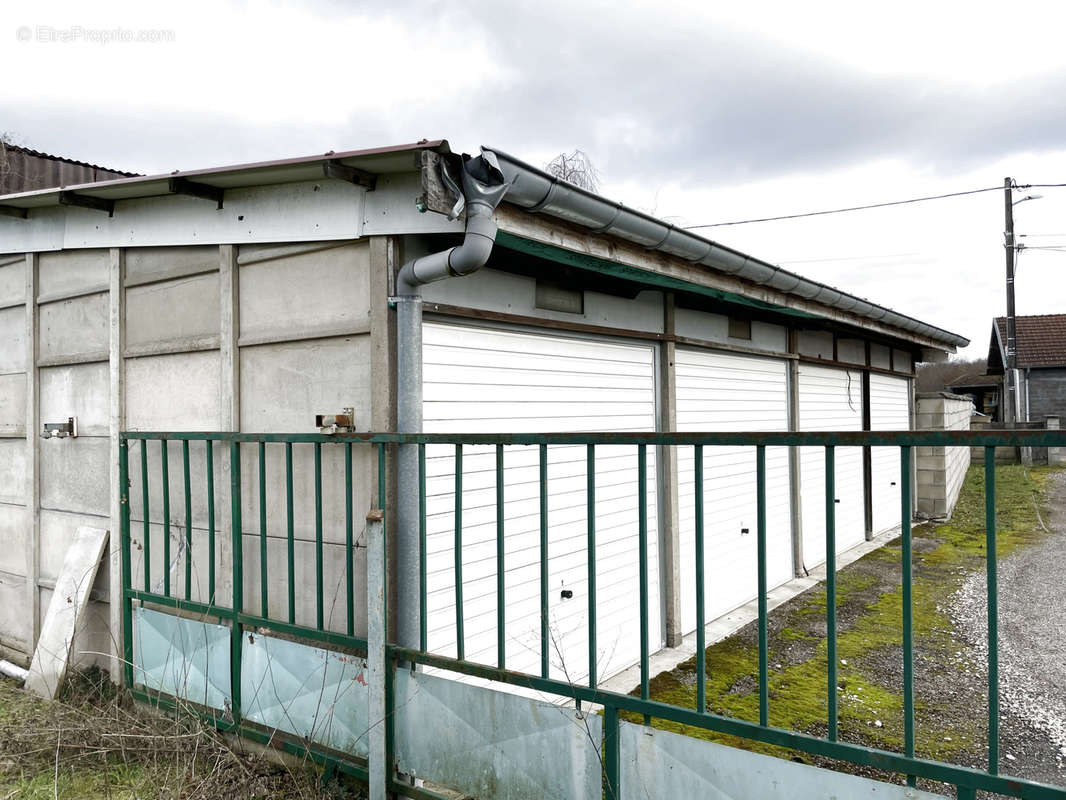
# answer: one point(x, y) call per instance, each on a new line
point(481, 188)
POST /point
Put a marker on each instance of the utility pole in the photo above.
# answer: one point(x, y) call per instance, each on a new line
point(1010, 406)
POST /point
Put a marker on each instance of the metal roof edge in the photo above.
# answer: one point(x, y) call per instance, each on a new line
point(541, 193)
point(440, 145)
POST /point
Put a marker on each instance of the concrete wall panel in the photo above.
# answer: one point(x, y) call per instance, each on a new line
point(283, 386)
point(12, 470)
point(12, 339)
point(172, 311)
point(13, 283)
point(715, 327)
point(323, 289)
point(92, 639)
point(144, 264)
point(78, 390)
point(818, 344)
point(74, 475)
point(851, 351)
point(13, 404)
point(14, 621)
point(493, 290)
point(173, 392)
point(13, 525)
point(67, 272)
point(74, 328)
point(57, 532)
point(880, 356)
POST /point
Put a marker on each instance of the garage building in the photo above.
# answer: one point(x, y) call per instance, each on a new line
point(255, 297)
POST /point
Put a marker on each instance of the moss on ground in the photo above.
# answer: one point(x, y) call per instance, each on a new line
point(870, 628)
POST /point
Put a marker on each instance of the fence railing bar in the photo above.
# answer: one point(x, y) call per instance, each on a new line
point(147, 553)
point(544, 561)
point(188, 519)
point(590, 557)
point(124, 544)
point(908, 604)
point(349, 532)
point(164, 467)
point(612, 762)
point(642, 563)
point(993, 610)
point(290, 533)
point(237, 559)
point(831, 590)
point(501, 572)
point(423, 579)
point(760, 508)
point(320, 600)
point(460, 638)
point(209, 455)
point(264, 579)
point(701, 622)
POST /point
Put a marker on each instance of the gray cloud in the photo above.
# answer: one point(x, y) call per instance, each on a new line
point(650, 97)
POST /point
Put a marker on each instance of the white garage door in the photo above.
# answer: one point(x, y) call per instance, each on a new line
point(495, 380)
point(730, 392)
point(831, 400)
point(889, 411)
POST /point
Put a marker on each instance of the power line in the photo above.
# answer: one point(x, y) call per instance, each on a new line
point(876, 205)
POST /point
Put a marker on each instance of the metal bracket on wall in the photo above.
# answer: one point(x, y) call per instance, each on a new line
point(87, 201)
point(13, 211)
point(336, 423)
point(195, 189)
point(342, 172)
point(61, 430)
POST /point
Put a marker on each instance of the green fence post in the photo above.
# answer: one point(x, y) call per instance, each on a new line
point(423, 579)
point(908, 604)
point(993, 610)
point(642, 537)
point(188, 518)
point(701, 633)
point(164, 466)
point(236, 536)
point(831, 589)
point(127, 580)
point(544, 561)
point(460, 645)
point(501, 574)
point(764, 684)
point(210, 456)
point(349, 569)
point(264, 580)
point(590, 511)
point(147, 517)
point(319, 581)
point(611, 757)
point(290, 534)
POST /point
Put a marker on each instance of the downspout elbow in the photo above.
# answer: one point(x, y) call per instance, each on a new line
point(483, 187)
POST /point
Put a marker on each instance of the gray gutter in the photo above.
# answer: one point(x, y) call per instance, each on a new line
point(535, 190)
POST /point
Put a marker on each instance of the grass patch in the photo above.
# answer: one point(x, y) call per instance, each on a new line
point(870, 631)
point(94, 743)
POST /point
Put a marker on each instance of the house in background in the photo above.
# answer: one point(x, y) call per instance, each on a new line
point(23, 169)
point(984, 390)
point(1041, 364)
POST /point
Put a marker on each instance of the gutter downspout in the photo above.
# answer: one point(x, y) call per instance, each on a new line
point(481, 188)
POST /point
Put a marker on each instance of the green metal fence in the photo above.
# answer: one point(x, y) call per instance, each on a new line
point(233, 609)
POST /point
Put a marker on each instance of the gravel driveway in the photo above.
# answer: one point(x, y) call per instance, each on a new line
point(1032, 646)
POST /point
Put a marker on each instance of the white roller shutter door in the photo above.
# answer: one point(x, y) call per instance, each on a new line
point(889, 411)
point(497, 380)
point(830, 399)
point(730, 392)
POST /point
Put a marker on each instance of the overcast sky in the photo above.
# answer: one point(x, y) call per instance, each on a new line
point(697, 112)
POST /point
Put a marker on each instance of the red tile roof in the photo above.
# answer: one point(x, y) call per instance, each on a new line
point(1041, 339)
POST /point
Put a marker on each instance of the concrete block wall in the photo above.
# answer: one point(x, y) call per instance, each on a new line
point(941, 470)
point(258, 338)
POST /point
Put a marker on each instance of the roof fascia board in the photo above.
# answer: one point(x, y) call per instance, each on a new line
point(567, 241)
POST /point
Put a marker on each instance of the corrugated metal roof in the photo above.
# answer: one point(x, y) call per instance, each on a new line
point(39, 154)
point(394, 158)
point(1041, 339)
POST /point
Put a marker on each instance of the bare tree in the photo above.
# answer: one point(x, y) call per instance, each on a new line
point(576, 168)
point(934, 377)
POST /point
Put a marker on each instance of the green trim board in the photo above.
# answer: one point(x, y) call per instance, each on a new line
point(635, 274)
